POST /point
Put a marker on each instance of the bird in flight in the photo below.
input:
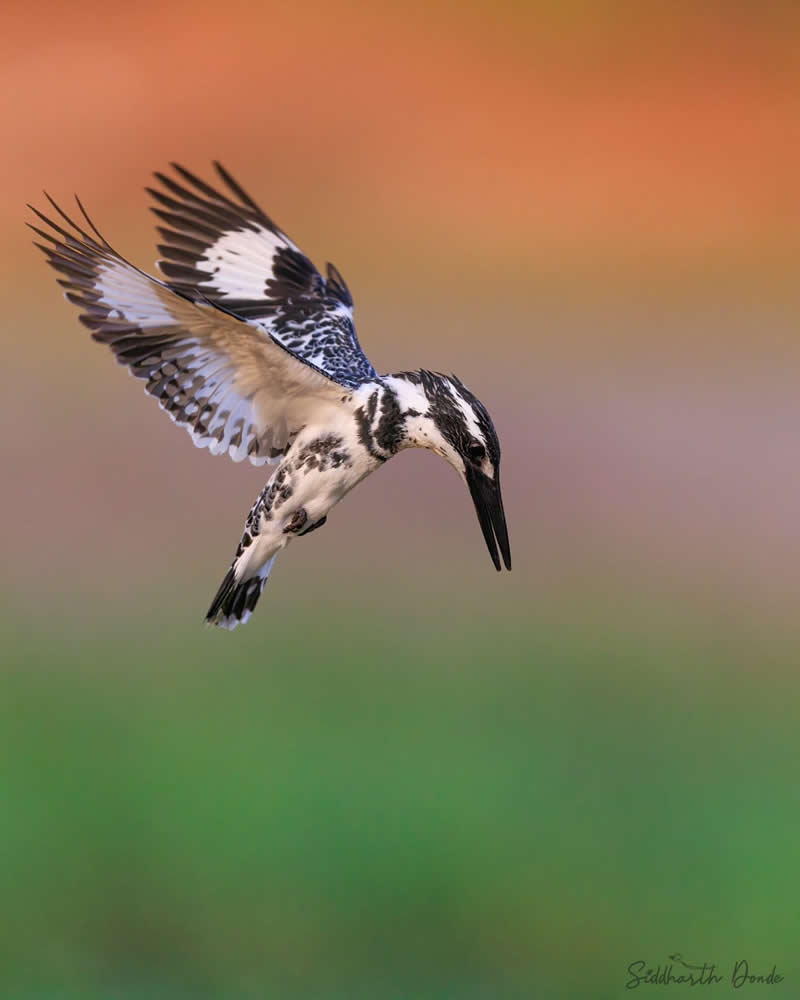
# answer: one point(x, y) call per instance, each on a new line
point(246, 345)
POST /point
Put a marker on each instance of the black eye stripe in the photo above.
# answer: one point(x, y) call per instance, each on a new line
point(446, 413)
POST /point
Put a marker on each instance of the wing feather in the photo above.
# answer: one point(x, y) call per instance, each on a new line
point(233, 386)
point(231, 252)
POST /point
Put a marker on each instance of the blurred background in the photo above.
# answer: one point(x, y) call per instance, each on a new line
point(410, 776)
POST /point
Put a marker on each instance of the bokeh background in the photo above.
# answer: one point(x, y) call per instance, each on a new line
point(410, 776)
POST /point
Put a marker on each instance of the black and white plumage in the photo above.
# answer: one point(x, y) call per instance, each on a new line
point(247, 346)
point(234, 255)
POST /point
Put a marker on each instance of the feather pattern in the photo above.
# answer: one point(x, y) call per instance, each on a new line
point(228, 250)
point(233, 386)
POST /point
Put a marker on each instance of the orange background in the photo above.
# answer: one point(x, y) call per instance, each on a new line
point(590, 212)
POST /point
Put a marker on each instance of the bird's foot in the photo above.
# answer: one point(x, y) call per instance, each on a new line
point(297, 522)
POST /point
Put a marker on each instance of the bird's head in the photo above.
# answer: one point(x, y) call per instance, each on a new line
point(441, 414)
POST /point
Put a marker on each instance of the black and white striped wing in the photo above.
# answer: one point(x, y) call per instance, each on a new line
point(227, 249)
point(231, 385)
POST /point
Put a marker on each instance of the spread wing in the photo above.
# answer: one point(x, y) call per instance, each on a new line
point(233, 386)
point(226, 248)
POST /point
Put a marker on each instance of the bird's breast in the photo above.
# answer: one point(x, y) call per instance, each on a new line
point(320, 473)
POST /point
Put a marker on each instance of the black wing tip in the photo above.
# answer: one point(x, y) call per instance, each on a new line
point(336, 282)
point(52, 225)
point(240, 192)
point(202, 193)
point(180, 168)
point(96, 242)
point(91, 224)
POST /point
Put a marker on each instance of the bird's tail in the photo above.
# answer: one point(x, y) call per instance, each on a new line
point(234, 601)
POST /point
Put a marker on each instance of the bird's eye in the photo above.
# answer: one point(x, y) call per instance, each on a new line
point(476, 451)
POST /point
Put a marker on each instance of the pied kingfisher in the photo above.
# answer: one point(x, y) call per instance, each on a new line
point(248, 347)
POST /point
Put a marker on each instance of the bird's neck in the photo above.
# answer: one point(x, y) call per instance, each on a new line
point(412, 406)
point(390, 416)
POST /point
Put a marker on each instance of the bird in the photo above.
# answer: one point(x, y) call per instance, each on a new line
point(246, 345)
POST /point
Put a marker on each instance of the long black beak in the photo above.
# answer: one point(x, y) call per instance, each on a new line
point(489, 507)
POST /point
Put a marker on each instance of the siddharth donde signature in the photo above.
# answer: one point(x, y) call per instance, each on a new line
point(682, 973)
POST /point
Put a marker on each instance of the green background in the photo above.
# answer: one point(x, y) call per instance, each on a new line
point(520, 807)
